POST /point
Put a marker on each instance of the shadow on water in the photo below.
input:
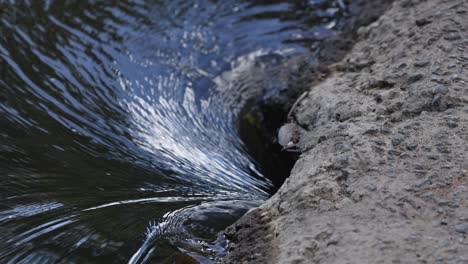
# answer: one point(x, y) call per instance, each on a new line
point(118, 119)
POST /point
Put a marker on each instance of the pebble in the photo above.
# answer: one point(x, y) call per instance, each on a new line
point(385, 130)
point(452, 36)
point(394, 152)
point(440, 90)
point(443, 149)
point(419, 166)
point(437, 80)
point(436, 70)
point(452, 124)
point(404, 155)
point(413, 238)
point(402, 65)
point(414, 78)
point(441, 201)
point(456, 78)
point(411, 146)
point(422, 22)
point(462, 228)
point(379, 142)
point(371, 131)
point(421, 64)
point(371, 187)
point(436, 100)
point(396, 140)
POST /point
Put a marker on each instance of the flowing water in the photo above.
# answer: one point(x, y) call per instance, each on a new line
point(118, 138)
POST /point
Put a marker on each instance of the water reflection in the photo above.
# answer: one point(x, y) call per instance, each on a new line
point(118, 139)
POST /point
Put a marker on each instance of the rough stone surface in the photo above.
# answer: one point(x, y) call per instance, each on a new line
point(383, 177)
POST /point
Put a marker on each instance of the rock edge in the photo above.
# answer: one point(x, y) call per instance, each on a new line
point(383, 177)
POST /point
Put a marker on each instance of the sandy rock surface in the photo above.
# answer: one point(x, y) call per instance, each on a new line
point(383, 177)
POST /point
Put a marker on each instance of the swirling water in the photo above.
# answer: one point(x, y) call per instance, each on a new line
point(116, 144)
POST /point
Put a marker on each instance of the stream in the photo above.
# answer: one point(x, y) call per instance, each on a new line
point(118, 135)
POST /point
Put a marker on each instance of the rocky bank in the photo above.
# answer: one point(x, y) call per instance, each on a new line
point(383, 174)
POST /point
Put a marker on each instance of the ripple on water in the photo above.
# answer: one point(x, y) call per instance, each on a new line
point(118, 139)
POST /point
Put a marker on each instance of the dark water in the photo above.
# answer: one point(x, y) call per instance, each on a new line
point(117, 134)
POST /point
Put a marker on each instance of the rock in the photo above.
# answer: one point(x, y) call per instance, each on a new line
point(443, 149)
point(422, 22)
point(415, 78)
point(439, 80)
point(420, 64)
point(371, 131)
point(379, 142)
point(371, 187)
point(385, 130)
point(456, 78)
point(436, 101)
point(404, 155)
point(440, 90)
point(436, 70)
point(386, 204)
point(462, 228)
point(411, 146)
point(452, 36)
point(452, 124)
point(397, 140)
point(394, 152)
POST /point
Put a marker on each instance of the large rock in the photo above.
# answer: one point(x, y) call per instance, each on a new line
point(383, 177)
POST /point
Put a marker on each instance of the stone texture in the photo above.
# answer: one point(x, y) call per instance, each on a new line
point(351, 196)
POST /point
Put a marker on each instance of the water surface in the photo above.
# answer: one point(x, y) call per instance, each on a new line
point(117, 131)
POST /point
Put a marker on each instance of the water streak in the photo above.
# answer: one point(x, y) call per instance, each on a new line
point(118, 139)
